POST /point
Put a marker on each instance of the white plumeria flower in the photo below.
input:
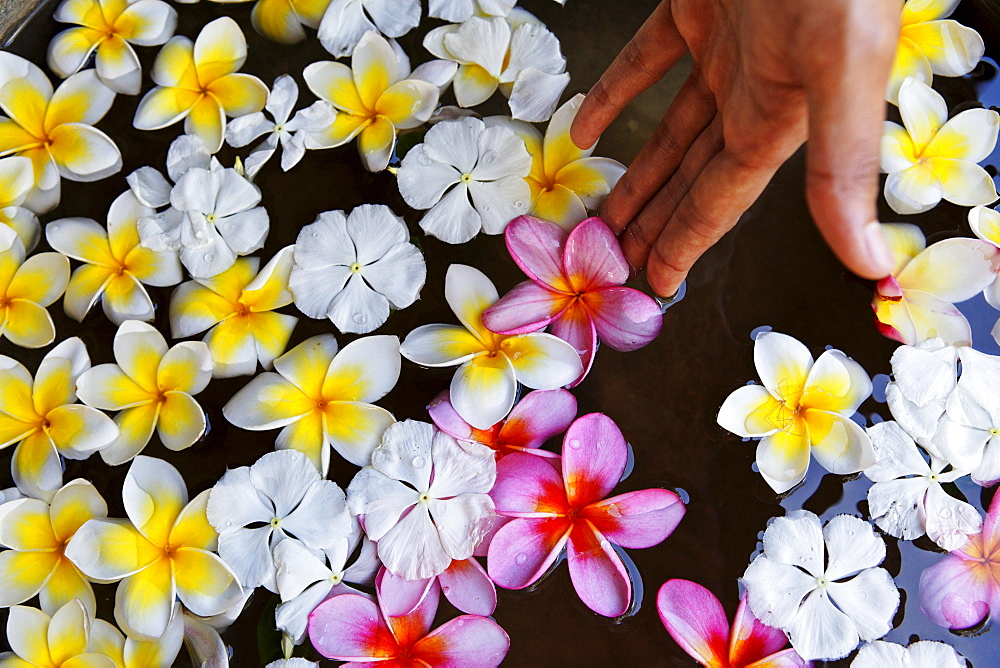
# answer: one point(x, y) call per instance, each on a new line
point(985, 224)
point(346, 21)
point(457, 11)
point(932, 157)
point(921, 654)
point(822, 586)
point(152, 387)
point(924, 376)
point(284, 492)
point(306, 579)
point(290, 134)
point(115, 264)
point(907, 499)
point(969, 434)
point(64, 639)
point(523, 60)
point(424, 498)
point(490, 365)
point(17, 178)
point(470, 176)
point(352, 269)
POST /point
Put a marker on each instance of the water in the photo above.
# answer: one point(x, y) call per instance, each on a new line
point(772, 270)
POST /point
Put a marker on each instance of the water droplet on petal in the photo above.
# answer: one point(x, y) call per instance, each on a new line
point(418, 462)
point(945, 513)
point(486, 208)
point(521, 559)
point(574, 443)
point(422, 159)
point(489, 157)
point(360, 318)
point(209, 257)
point(518, 204)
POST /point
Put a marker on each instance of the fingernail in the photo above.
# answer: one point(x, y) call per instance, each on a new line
point(878, 249)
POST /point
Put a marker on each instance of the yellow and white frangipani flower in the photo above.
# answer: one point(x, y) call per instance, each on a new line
point(132, 652)
point(55, 128)
point(152, 387)
point(929, 45)
point(490, 365)
point(164, 552)
point(374, 98)
point(985, 224)
point(323, 398)
point(42, 417)
point(801, 406)
point(62, 640)
point(27, 287)
point(116, 264)
point(346, 21)
point(107, 29)
point(931, 156)
point(565, 180)
point(199, 82)
point(37, 533)
point(282, 20)
point(236, 307)
point(17, 178)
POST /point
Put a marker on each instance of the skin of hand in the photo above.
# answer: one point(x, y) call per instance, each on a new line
point(768, 74)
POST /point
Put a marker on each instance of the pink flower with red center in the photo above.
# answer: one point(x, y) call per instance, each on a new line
point(553, 508)
point(694, 617)
point(962, 589)
point(576, 289)
point(539, 416)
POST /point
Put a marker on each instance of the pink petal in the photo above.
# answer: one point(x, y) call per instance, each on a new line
point(789, 658)
point(594, 455)
point(465, 641)
point(536, 246)
point(597, 572)
point(695, 619)
point(523, 549)
point(539, 416)
point(467, 587)
point(626, 319)
point(350, 627)
point(398, 596)
point(447, 418)
point(751, 640)
point(593, 257)
point(411, 627)
point(528, 486)
point(576, 327)
point(991, 523)
point(956, 593)
point(526, 308)
point(637, 519)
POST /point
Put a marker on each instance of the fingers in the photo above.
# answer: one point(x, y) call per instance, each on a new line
point(846, 114)
point(644, 60)
point(689, 114)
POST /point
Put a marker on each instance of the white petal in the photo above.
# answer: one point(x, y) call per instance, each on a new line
point(483, 394)
point(325, 242)
point(870, 600)
point(412, 548)
point(782, 362)
point(234, 502)
point(380, 499)
point(851, 546)
point(242, 130)
point(949, 520)
point(498, 202)
point(453, 219)
point(897, 506)
point(399, 274)
point(913, 190)
point(150, 187)
point(405, 453)
point(394, 18)
point(923, 110)
point(321, 518)
point(185, 153)
point(298, 568)
point(315, 289)
point(820, 630)
point(925, 373)
point(343, 25)
point(774, 591)
point(462, 522)
point(248, 553)
point(896, 454)
point(796, 540)
point(481, 41)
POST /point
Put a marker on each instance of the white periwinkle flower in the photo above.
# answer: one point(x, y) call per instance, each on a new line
point(346, 21)
point(924, 376)
point(470, 176)
point(922, 654)
point(822, 586)
point(353, 269)
point(969, 434)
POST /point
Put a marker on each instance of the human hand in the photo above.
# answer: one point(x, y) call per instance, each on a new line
point(767, 75)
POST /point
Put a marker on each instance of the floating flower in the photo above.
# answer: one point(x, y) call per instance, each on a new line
point(573, 511)
point(64, 639)
point(522, 59)
point(929, 45)
point(291, 132)
point(464, 583)
point(924, 376)
point(695, 619)
point(116, 265)
point(152, 387)
point(969, 436)
point(374, 97)
point(931, 156)
point(199, 82)
point(916, 301)
point(565, 180)
point(985, 224)
point(36, 533)
point(822, 586)
point(537, 417)
point(907, 499)
point(484, 168)
point(962, 589)
point(152, 188)
point(285, 496)
point(490, 365)
point(236, 307)
point(800, 407)
point(576, 287)
point(55, 129)
point(163, 553)
point(282, 20)
point(323, 398)
point(354, 628)
point(882, 654)
point(352, 269)
point(107, 29)
point(27, 287)
point(346, 22)
point(17, 178)
point(457, 11)
point(42, 417)
point(424, 498)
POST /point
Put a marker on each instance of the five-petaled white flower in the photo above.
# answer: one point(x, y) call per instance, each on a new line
point(969, 434)
point(346, 21)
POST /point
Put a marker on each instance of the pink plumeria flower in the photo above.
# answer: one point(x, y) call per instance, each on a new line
point(576, 288)
point(694, 617)
point(552, 511)
point(960, 591)
point(539, 416)
point(464, 583)
point(353, 628)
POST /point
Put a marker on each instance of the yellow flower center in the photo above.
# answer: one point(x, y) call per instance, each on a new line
point(211, 218)
point(994, 431)
point(356, 267)
point(466, 178)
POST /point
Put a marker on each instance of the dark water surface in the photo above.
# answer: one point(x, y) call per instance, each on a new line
point(773, 269)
